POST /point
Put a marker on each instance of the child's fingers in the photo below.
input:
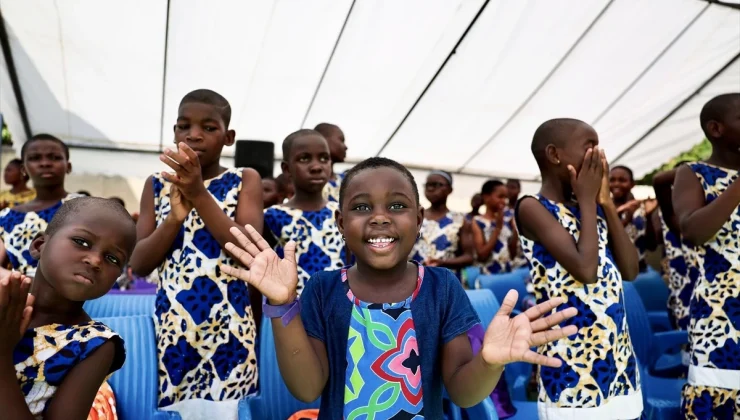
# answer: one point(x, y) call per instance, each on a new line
point(550, 321)
point(26, 319)
point(4, 291)
point(25, 285)
point(507, 306)
point(30, 300)
point(289, 252)
point(539, 359)
point(548, 336)
point(170, 159)
point(170, 177)
point(240, 255)
point(261, 243)
point(244, 241)
point(573, 175)
point(190, 154)
point(239, 273)
point(543, 308)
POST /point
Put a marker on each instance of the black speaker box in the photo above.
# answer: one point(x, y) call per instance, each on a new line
point(258, 155)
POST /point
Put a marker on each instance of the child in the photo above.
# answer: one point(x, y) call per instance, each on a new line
point(53, 369)
point(444, 240)
point(706, 199)
point(493, 235)
point(345, 341)
point(307, 218)
point(286, 185)
point(46, 161)
point(476, 202)
point(635, 214)
point(205, 322)
point(579, 251)
point(338, 149)
point(272, 193)
point(514, 188)
point(19, 192)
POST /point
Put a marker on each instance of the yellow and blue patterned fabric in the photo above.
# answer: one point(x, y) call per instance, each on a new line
point(500, 260)
point(331, 189)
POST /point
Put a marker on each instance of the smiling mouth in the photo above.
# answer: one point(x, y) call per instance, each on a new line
point(381, 243)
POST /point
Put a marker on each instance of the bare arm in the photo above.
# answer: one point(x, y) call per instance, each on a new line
point(625, 253)
point(663, 186)
point(579, 259)
point(153, 242)
point(467, 378)
point(484, 248)
point(700, 221)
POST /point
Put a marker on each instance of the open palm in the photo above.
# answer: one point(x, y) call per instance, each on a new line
point(510, 340)
point(276, 278)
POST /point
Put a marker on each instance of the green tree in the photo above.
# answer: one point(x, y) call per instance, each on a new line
point(700, 151)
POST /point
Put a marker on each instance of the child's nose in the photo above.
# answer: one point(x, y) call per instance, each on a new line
point(93, 259)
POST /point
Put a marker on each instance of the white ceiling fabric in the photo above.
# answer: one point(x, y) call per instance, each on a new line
point(111, 74)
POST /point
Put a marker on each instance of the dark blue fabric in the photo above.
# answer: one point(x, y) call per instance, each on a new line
point(441, 312)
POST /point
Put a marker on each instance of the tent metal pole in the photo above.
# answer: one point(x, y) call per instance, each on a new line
point(724, 4)
point(678, 107)
point(164, 76)
point(431, 81)
point(14, 81)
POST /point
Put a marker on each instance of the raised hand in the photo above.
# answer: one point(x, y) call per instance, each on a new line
point(16, 307)
point(179, 206)
point(587, 182)
point(276, 278)
point(187, 176)
point(509, 340)
point(604, 196)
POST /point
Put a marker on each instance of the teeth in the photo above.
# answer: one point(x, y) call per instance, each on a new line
point(381, 240)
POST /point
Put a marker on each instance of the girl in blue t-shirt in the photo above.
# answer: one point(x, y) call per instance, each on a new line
point(380, 339)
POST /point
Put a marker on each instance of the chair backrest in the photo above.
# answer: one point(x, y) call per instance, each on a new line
point(641, 332)
point(485, 304)
point(135, 385)
point(653, 291)
point(500, 284)
point(120, 305)
point(276, 402)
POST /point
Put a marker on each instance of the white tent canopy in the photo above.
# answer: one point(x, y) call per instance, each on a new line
point(450, 84)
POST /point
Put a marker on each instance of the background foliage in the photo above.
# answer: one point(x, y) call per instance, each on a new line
point(698, 152)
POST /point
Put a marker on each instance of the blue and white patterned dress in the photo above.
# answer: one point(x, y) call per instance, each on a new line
point(439, 239)
point(331, 189)
point(599, 377)
point(637, 231)
point(713, 388)
point(205, 328)
point(500, 260)
point(319, 244)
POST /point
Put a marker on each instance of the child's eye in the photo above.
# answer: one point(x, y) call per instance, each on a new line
point(210, 129)
point(361, 207)
point(183, 126)
point(303, 159)
point(81, 242)
point(113, 259)
point(397, 206)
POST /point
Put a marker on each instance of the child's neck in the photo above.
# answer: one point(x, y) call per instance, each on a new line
point(52, 308)
point(307, 200)
point(18, 188)
point(437, 210)
point(554, 190)
point(383, 286)
point(52, 193)
point(211, 171)
point(725, 158)
point(623, 200)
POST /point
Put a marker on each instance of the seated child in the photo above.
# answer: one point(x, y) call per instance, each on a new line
point(579, 251)
point(53, 357)
point(386, 327)
point(307, 218)
point(494, 235)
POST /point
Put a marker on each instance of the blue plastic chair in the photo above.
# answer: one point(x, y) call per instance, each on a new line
point(651, 348)
point(661, 396)
point(654, 294)
point(471, 274)
point(120, 305)
point(135, 385)
point(500, 284)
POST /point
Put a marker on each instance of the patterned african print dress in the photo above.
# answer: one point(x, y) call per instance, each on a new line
point(45, 355)
point(205, 328)
point(637, 231)
point(383, 376)
point(16, 199)
point(18, 230)
point(682, 274)
point(713, 387)
point(331, 189)
point(500, 260)
point(439, 239)
point(519, 260)
point(599, 377)
point(319, 245)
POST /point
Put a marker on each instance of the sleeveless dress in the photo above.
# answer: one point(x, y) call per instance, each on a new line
point(713, 387)
point(439, 239)
point(500, 260)
point(19, 229)
point(331, 189)
point(18, 198)
point(682, 274)
point(319, 244)
point(637, 231)
point(599, 378)
point(45, 355)
point(205, 328)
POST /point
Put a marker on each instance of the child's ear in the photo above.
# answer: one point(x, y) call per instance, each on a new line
point(340, 221)
point(230, 136)
point(420, 218)
point(286, 170)
point(69, 167)
point(37, 245)
point(551, 154)
point(715, 129)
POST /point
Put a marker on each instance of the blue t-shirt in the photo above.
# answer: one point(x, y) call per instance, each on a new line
point(441, 311)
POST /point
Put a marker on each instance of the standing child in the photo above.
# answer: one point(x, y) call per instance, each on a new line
point(286, 185)
point(335, 138)
point(307, 218)
point(205, 321)
point(444, 239)
point(514, 188)
point(706, 199)
point(272, 192)
point(385, 329)
point(53, 357)
point(19, 192)
point(579, 251)
point(494, 237)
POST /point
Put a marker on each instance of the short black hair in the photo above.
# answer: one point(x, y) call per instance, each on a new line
point(85, 193)
point(716, 110)
point(44, 137)
point(74, 206)
point(288, 142)
point(19, 163)
point(626, 169)
point(326, 129)
point(490, 185)
point(553, 131)
point(279, 186)
point(514, 181)
point(209, 97)
point(376, 163)
point(118, 200)
point(283, 181)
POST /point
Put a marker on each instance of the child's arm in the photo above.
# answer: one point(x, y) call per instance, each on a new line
point(471, 378)
point(466, 250)
point(483, 248)
point(625, 252)
point(154, 242)
point(663, 186)
point(303, 361)
point(700, 221)
point(536, 223)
